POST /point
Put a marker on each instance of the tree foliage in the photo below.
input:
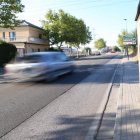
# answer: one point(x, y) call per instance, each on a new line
point(7, 52)
point(116, 49)
point(62, 28)
point(123, 34)
point(8, 11)
point(120, 38)
point(100, 43)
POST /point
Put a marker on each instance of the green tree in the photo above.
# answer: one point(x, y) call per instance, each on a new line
point(116, 49)
point(62, 28)
point(100, 43)
point(8, 11)
point(7, 52)
point(80, 35)
point(123, 34)
point(120, 38)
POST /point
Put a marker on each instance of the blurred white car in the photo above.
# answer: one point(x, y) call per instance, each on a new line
point(40, 66)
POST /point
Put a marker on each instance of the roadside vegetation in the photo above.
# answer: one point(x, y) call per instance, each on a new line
point(116, 49)
point(132, 49)
point(8, 11)
point(62, 28)
point(8, 19)
point(100, 43)
point(7, 52)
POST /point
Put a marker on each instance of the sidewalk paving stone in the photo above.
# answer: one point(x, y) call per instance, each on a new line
point(128, 111)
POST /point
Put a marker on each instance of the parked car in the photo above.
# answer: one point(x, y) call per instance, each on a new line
point(40, 66)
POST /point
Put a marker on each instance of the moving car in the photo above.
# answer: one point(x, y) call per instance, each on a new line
point(40, 66)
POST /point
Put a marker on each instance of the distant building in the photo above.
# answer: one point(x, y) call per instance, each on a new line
point(26, 37)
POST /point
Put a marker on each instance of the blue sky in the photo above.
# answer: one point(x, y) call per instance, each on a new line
point(104, 17)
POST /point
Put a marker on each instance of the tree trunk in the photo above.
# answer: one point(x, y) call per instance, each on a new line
point(59, 46)
point(77, 53)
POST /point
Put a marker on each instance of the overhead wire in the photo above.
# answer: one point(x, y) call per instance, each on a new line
point(80, 5)
point(68, 3)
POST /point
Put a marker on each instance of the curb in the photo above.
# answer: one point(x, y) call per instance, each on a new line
point(118, 113)
point(117, 133)
point(92, 133)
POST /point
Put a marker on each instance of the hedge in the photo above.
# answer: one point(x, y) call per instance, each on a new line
point(7, 52)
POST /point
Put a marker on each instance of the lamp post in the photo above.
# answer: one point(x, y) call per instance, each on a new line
point(125, 24)
point(126, 45)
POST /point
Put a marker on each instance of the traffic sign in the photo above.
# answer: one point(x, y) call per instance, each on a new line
point(129, 40)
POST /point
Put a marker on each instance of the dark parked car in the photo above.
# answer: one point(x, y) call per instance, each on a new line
point(40, 66)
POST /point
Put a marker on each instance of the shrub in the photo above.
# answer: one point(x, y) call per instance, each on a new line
point(7, 52)
point(116, 49)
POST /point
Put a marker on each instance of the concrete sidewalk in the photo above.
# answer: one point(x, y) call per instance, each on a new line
point(127, 125)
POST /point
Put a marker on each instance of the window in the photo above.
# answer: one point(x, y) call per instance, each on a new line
point(3, 35)
point(38, 50)
point(12, 36)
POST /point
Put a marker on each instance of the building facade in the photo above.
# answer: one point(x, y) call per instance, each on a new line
point(26, 37)
point(137, 18)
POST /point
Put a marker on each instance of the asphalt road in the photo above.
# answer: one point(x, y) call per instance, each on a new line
point(18, 102)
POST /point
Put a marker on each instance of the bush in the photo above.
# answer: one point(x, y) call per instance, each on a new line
point(132, 50)
point(7, 52)
point(116, 49)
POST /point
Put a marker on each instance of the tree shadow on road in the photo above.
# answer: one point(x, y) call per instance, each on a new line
point(76, 128)
point(68, 128)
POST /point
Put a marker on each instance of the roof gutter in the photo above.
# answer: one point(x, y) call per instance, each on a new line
point(138, 12)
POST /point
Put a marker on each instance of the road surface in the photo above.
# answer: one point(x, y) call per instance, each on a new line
point(63, 109)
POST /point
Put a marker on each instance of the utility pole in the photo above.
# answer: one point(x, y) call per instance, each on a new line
point(126, 46)
point(125, 25)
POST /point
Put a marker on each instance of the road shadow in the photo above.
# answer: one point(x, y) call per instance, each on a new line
point(76, 128)
point(128, 124)
point(68, 128)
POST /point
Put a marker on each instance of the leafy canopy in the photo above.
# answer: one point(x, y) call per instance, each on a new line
point(62, 28)
point(120, 38)
point(100, 43)
point(116, 49)
point(8, 11)
point(123, 34)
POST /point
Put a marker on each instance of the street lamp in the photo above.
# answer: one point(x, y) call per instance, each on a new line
point(125, 24)
point(126, 46)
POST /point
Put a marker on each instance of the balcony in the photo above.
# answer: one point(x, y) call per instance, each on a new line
point(34, 40)
point(37, 40)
